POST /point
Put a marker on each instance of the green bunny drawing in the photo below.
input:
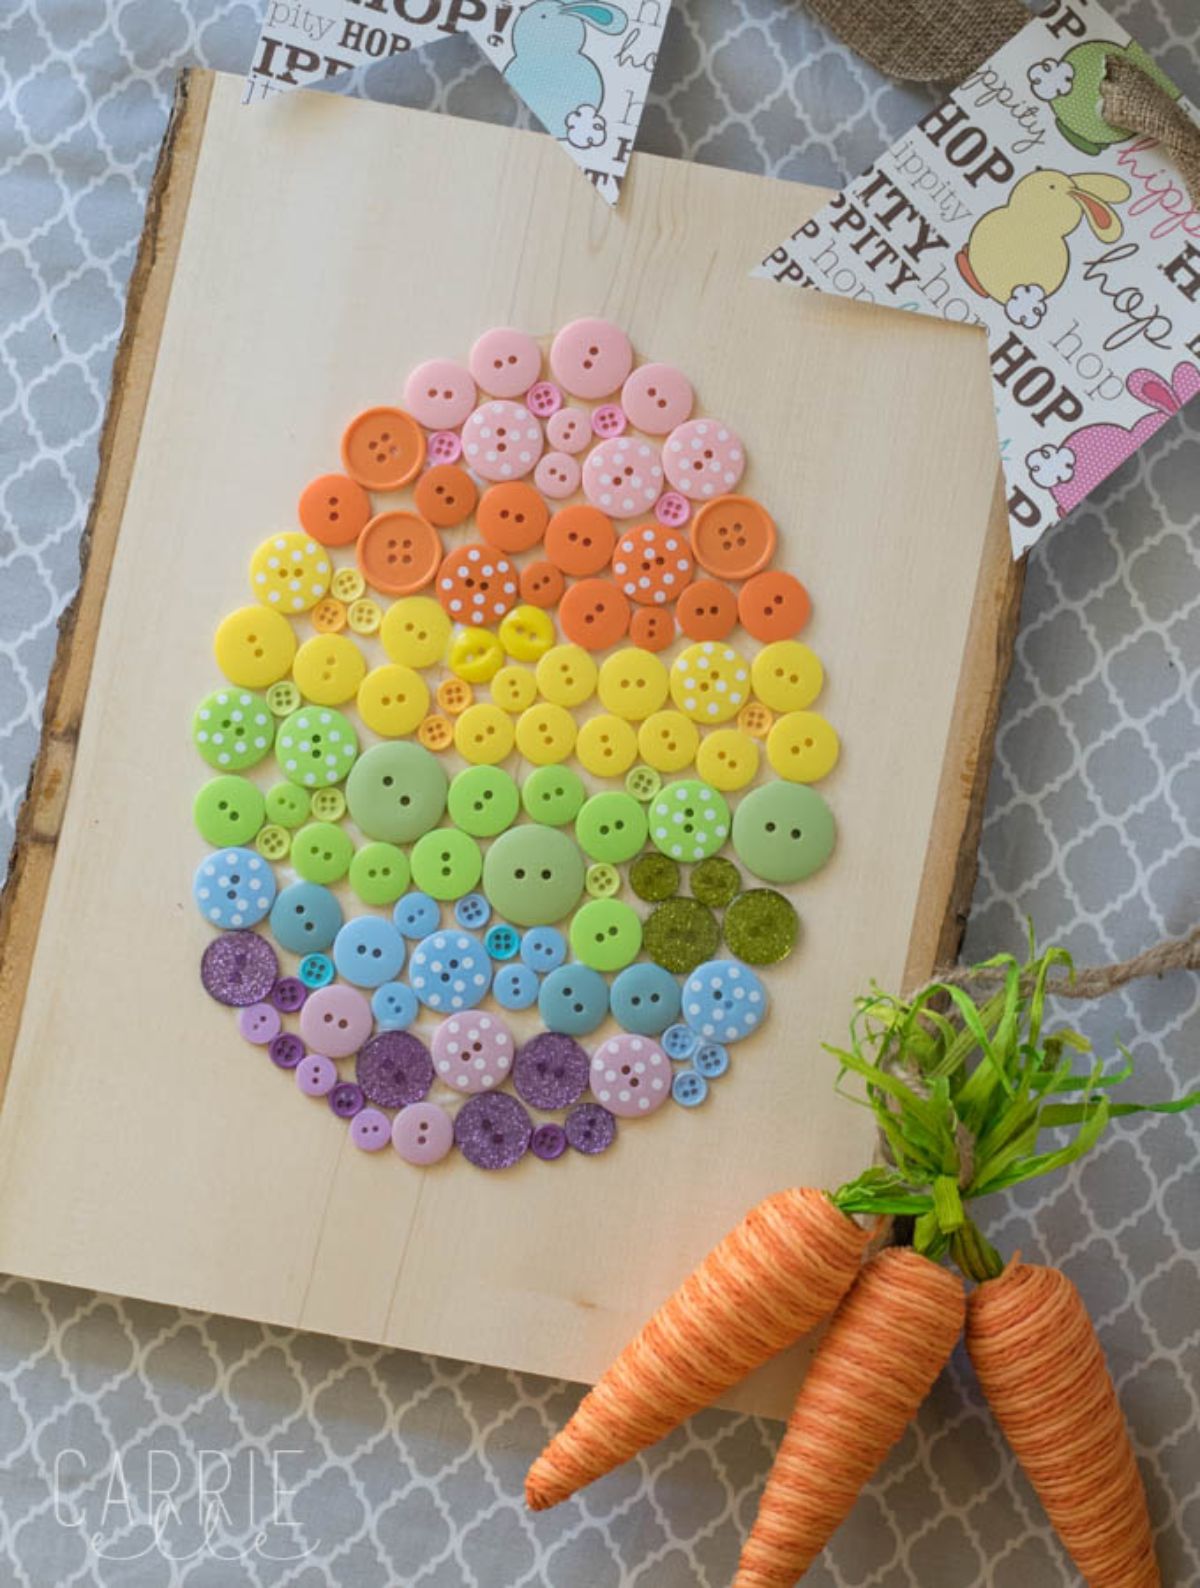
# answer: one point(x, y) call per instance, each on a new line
point(1071, 87)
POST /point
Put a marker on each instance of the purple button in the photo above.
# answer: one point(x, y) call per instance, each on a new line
point(543, 399)
point(492, 1130)
point(590, 1128)
point(336, 1020)
point(549, 1142)
point(239, 968)
point(371, 1130)
point(346, 1099)
point(289, 994)
point(423, 1133)
point(394, 1068)
point(551, 1071)
point(259, 1023)
point(316, 1076)
point(286, 1050)
point(444, 446)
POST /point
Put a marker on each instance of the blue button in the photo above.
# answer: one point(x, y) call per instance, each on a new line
point(544, 949)
point(234, 887)
point(394, 1006)
point(368, 951)
point(449, 971)
point(645, 999)
point(573, 999)
point(711, 1060)
point(679, 1043)
point(724, 1001)
point(305, 918)
point(316, 970)
point(515, 987)
point(502, 940)
point(689, 1088)
point(416, 915)
point(472, 911)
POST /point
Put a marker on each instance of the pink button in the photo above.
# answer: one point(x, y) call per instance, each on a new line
point(316, 1076)
point(543, 399)
point(472, 1052)
point(259, 1023)
point(623, 476)
point(502, 441)
point(506, 363)
point(672, 509)
point(423, 1133)
point(371, 1129)
point(609, 420)
point(557, 475)
point(569, 430)
point(440, 393)
point(444, 446)
point(591, 358)
point(703, 458)
point(631, 1075)
point(657, 398)
point(335, 1020)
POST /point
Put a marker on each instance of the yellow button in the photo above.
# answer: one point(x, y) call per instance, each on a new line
point(392, 699)
point(787, 676)
point(289, 572)
point(328, 669)
point(254, 647)
point(632, 684)
point(668, 741)
point(364, 616)
point(803, 747)
point(514, 688)
point(755, 718)
point(329, 615)
point(483, 734)
point(476, 655)
point(607, 746)
point(527, 633)
point(546, 733)
point(415, 631)
point(436, 732)
point(567, 675)
point(710, 681)
point(727, 758)
point(454, 695)
point(348, 584)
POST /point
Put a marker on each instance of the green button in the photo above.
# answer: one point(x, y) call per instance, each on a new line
point(379, 873)
point(681, 934)
point(229, 810)
point(553, 795)
point(761, 927)
point(322, 852)
point(397, 791)
point(715, 881)
point(283, 698)
point(606, 934)
point(446, 863)
point(602, 880)
point(689, 820)
point(783, 832)
point(273, 842)
point(483, 801)
point(533, 875)
point(611, 827)
point(315, 746)
point(654, 877)
point(232, 729)
point(287, 806)
point(328, 804)
point(643, 782)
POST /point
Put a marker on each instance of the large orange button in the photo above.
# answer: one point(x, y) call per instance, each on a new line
point(652, 628)
point(594, 614)
point(445, 495)
point(476, 585)
point(542, 583)
point(773, 606)
point(707, 610)
point(733, 536)
point(512, 516)
point(382, 448)
point(580, 540)
point(333, 509)
point(398, 553)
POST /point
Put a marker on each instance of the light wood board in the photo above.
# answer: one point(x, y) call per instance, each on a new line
point(300, 257)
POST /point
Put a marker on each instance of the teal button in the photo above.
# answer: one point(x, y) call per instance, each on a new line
point(553, 795)
point(573, 999)
point(446, 863)
point(645, 999)
point(397, 791)
point(783, 832)
point(611, 827)
point(483, 801)
point(533, 875)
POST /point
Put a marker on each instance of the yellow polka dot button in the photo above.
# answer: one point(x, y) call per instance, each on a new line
point(803, 747)
point(567, 675)
point(329, 615)
point(484, 734)
point(436, 732)
point(254, 647)
point(607, 745)
point(727, 758)
point(755, 718)
point(787, 676)
point(514, 688)
point(348, 584)
point(454, 695)
point(527, 633)
point(364, 616)
point(328, 669)
point(709, 681)
point(392, 700)
point(632, 684)
point(668, 741)
point(415, 631)
point(546, 733)
point(289, 572)
point(476, 655)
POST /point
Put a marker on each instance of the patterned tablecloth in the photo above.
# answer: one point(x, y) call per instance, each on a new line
point(407, 1470)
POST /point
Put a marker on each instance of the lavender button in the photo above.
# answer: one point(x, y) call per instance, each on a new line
point(551, 1071)
point(239, 968)
point(316, 1076)
point(423, 1133)
point(371, 1130)
point(259, 1023)
point(549, 1142)
point(289, 993)
point(346, 1099)
point(590, 1128)
point(492, 1130)
point(286, 1050)
point(394, 1068)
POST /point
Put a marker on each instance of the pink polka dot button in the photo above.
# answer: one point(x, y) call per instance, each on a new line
point(423, 1133)
point(336, 1021)
point(657, 398)
point(557, 475)
point(569, 430)
point(623, 476)
point(370, 1129)
point(444, 446)
point(440, 393)
point(316, 1076)
point(591, 358)
point(506, 363)
point(631, 1075)
point(259, 1023)
point(502, 441)
point(703, 458)
point(609, 420)
point(672, 509)
point(472, 1052)
point(543, 399)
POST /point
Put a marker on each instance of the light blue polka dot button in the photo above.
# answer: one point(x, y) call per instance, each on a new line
point(450, 971)
point(305, 918)
point(711, 1060)
point(544, 949)
point(689, 1088)
point(515, 987)
point(316, 970)
point(472, 911)
point(724, 1001)
point(417, 915)
point(679, 1042)
point(234, 887)
point(394, 1006)
point(368, 951)
point(573, 999)
point(502, 941)
point(645, 999)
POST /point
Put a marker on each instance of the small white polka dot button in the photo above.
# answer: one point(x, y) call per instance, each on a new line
point(502, 441)
point(472, 1052)
point(623, 476)
point(630, 1075)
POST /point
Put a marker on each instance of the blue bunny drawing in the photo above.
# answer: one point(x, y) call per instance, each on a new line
point(550, 70)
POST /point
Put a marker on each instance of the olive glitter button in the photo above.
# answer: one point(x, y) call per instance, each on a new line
point(415, 631)
point(533, 875)
point(316, 745)
point(689, 820)
point(606, 934)
point(553, 795)
point(379, 873)
point(254, 647)
point(322, 852)
point(654, 877)
point(783, 832)
point(228, 810)
point(446, 863)
point(761, 927)
point(715, 881)
point(612, 827)
point(681, 934)
point(232, 729)
point(483, 801)
point(396, 792)
point(392, 699)
point(803, 747)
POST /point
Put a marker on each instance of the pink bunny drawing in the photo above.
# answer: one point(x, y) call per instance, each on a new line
point(1072, 471)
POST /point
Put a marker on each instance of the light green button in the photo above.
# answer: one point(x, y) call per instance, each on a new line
point(446, 863)
point(328, 804)
point(232, 729)
point(228, 810)
point(602, 880)
point(397, 791)
point(533, 875)
point(315, 746)
point(483, 801)
point(643, 782)
point(783, 832)
point(322, 852)
point(379, 873)
point(606, 934)
point(689, 820)
point(553, 795)
point(612, 827)
point(287, 806)
point(273, 842)
point(283, 698)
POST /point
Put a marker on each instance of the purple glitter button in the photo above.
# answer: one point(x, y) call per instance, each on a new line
point(492, 1130)
point(394, 1069)
point(286, 1050)
point(590, 1128)
point(551, 1071)
point(239, 968)
point(288, 994)
point(549, 1142)
point(346, 1100)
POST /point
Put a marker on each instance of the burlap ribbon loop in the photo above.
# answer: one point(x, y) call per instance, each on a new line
point(1137, 103)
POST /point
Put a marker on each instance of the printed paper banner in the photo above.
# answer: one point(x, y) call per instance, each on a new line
point(582, 66)
point(1016, 207)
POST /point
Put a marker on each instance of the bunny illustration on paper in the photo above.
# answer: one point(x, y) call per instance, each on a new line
point(550, 70)
point(1073, 471)
point(1072, 88)
point(1018, 254)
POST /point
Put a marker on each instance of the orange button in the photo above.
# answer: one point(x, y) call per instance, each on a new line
point(333, 509)
point(329, 615)
point(594, 614)
point(454, 695)
point(445, 495)
point(755, 719)
point(435, 732)
point(512, 516)
point(707, 610)
point(398, 553)
point(652, 564)
point(542, 583)
point(653, 628)
point(476, 585)
point(580, 540)
point(733, 536)
point(383, 448)
point(773, 605)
